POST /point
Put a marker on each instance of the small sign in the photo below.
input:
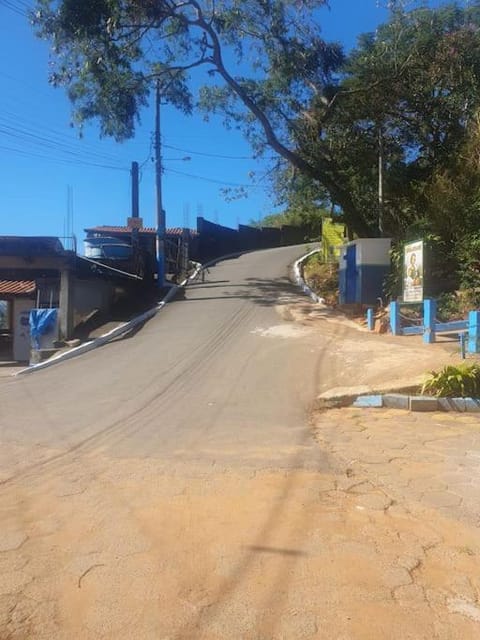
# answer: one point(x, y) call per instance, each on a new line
point(135, 223)
point(413, 272)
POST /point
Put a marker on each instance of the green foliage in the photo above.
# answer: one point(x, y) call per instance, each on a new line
point(469, 266)
point(449, 307)
point(111, 48)
point(461, 381)
point(322, 278)
point(414, 85)
point(310, 218)
point(439, 260)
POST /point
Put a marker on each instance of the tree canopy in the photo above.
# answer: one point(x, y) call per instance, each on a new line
point(265, 60)
point(413, 86)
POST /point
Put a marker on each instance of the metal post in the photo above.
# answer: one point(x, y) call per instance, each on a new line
point(135, 198)
point(429, 318)
point(395, 318)
point(462, 337)
point(160, 244)
point(473, 331)
point(380, 182)
point(370, 319)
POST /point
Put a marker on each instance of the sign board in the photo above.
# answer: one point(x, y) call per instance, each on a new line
point(413, 272)
point(135, 223)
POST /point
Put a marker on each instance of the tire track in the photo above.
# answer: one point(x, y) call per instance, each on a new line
point(129, 424)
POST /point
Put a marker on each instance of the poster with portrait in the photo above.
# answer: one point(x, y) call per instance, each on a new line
point(413, 272)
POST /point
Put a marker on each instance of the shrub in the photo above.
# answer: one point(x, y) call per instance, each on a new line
point(462, 381)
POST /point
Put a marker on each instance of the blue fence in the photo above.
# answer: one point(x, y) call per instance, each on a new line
point(430, 327)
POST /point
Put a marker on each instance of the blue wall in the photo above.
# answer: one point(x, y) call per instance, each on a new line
point(370, 280)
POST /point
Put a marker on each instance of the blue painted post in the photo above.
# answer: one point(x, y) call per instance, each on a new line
point(429, 314)
point(473, 331)
point(395, 319)
point(370, 319)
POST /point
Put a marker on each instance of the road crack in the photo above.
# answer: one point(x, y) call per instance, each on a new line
point(87, 571)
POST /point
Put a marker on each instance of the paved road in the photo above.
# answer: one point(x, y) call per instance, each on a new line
point(171, 486)
point(213, 375)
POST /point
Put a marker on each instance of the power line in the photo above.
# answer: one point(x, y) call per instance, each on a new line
point(35, 140)
point(205, 179)
point(49, 135)
point(20, 9)
point(50, 158)
point(211, 155)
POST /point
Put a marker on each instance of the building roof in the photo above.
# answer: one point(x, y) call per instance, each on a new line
point(17, 287)
point(30, 246)
point(174, 231)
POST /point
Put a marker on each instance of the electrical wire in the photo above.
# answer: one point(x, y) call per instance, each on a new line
point(20, 8)
point(205, 179)
point(211, 155)
point(34, 140)
point(50, 158)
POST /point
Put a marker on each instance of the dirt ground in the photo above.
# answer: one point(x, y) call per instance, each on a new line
point(381, 547)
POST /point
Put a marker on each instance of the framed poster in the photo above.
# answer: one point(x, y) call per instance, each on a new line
point(413, 272)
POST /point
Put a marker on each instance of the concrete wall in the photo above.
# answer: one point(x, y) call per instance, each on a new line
point(372, 267)
point(215, 240)
point(91, 294)
point(373, 251)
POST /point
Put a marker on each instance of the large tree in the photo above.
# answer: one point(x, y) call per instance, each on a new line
point(413, 86)
point(265, 62)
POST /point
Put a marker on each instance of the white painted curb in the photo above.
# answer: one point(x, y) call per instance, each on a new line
point(297, 273)
point(106, 337)
point(127, 326)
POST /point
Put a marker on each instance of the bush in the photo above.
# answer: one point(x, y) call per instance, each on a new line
point(440, 264)
point(450, 306)
point(322, 278)
point(454, 382)
point(468, 252)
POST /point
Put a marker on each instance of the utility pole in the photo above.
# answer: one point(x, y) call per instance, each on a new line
point(135, 199)
point(160, 244)
point(380, 182)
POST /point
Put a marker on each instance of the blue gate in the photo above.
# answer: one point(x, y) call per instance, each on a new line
point(351, 274)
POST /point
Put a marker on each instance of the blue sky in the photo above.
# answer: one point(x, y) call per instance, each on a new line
point(41, 156)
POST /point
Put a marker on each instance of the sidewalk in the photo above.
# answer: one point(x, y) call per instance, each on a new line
point(431, 461)
point(421, 472)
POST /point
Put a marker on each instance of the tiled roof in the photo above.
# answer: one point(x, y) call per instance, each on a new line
point(174, 231)
point(16, 287)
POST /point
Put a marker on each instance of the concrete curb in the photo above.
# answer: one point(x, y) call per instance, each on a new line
point(418, 403)
point(297, 274)
point(106, 337)
point(333, 400)
point(127, 326)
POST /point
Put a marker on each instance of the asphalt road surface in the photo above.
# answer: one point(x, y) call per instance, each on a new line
point(216, 374)
point(172, 485)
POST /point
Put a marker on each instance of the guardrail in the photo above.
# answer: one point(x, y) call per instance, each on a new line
point(429, 327)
